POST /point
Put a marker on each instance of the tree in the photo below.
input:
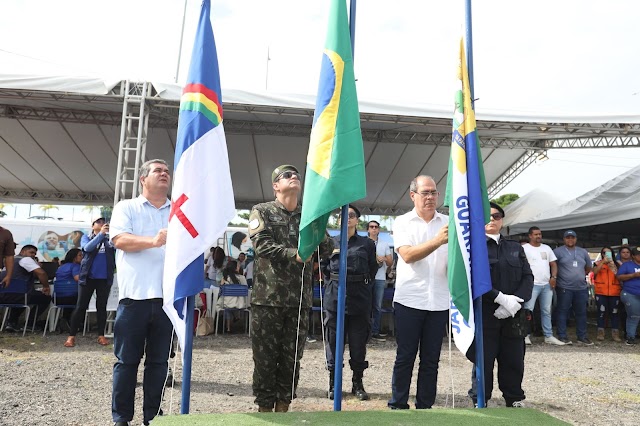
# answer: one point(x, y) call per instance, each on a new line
point(505, 199)
point(244, 216)
point(106, 211)
point(46, 207)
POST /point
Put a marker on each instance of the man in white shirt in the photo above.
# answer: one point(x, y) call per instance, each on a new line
point(421, 299)
point(545, 270)
point(385, 259)
point(139, 232)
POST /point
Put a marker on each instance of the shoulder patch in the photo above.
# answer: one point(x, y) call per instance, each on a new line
point(256, 224)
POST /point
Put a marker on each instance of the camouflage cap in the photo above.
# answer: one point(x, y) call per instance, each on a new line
point(280, 169)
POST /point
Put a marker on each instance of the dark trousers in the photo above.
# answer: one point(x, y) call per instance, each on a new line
point(608, 306)
point(141, 328)
point(357, 329)
point(509, 352)
point(568, 299)
point(85, 292)
point(416, 330)
point(274, 332)
point(37, 298)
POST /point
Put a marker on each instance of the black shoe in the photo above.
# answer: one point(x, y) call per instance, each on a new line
point(358, 388)
point(11, 327)
point(331, 382)
point(585, 341)
point(565, 340)
point(121, 424)
point(311, 339)
point(381, 334)
point(378, 338)
point(631, 341)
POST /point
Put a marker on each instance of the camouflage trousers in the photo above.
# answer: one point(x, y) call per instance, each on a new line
point(273, 340)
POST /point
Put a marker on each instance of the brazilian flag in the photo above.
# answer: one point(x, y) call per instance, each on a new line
point(335, 173)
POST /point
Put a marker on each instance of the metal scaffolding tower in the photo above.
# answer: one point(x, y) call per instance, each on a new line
point(133, 139)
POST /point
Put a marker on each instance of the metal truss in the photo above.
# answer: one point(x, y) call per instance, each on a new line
point(133, 140)
point(57, 196)
point(111, 109)
point(516, 168)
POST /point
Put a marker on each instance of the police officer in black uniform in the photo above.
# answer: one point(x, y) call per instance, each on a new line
point(361, 271)
point(503, 318)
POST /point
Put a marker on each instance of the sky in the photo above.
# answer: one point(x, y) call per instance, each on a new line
point(568, 57)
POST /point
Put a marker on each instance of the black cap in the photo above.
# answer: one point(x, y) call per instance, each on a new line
point(351, 206)
point(497, 207)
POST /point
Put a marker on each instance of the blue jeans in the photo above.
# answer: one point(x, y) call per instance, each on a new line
point(141, 327)
point(376, 312)
point(576, 299)
point(632, 304)
point(416, 329)
point(545, 294)
point(607, 305)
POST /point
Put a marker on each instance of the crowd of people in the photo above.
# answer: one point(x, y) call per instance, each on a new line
point(282, 296)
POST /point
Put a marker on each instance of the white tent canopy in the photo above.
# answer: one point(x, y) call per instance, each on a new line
point(529, 206)
point(603, 215)
point(59, 140)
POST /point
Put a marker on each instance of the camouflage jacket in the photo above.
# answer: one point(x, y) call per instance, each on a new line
point(274, 232)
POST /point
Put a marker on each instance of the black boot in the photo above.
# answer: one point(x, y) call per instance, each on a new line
point(331, 381)
point(358, 387)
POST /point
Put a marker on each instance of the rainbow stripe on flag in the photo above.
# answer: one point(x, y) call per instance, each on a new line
point(199, 98)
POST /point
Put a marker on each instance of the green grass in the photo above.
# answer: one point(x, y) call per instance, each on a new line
point(441, 417)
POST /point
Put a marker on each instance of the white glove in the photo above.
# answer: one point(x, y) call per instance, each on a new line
point(501, 313)
point(510, 302)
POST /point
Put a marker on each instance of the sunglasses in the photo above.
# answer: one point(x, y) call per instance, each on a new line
point(374, 226)
point(288, 175)
point(496, 216)
point(352, 215)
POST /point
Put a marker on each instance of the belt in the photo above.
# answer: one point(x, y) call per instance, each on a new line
point(350, 277)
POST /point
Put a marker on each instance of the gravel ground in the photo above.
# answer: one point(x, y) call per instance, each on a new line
point(44, 383)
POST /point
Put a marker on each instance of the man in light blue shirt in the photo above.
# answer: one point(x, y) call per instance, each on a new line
point(139, 232)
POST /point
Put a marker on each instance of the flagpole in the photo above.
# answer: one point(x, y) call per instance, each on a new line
point(187, 354)
point(342, 276)
point(184, 16)
point(342, 285)
point(477, 302)
point(352, 27)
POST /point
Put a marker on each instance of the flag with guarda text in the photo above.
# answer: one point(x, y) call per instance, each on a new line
point(466, 197)
point(335, 173)
point(202, 202)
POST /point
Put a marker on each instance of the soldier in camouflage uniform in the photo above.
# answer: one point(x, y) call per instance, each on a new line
point(275, 298)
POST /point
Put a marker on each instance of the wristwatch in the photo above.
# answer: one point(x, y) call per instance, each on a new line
point(554, 277)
